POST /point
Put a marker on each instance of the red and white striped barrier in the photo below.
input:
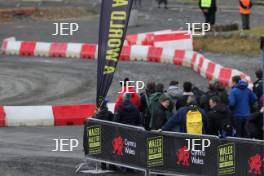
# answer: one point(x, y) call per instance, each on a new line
point(57, 115)
point(143, 38)
point(167, 38)
point(206, 68)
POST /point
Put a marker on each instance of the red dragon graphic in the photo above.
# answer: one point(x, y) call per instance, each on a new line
point(183, 156)
point(255, 164)
point(118, 145)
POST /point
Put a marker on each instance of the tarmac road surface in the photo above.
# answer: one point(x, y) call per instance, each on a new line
point(43, 81)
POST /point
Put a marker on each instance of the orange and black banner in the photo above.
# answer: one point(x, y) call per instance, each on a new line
point(112, 31)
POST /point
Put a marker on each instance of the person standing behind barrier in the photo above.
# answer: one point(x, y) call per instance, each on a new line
point(219, 118)
point(254, 125)
point(159, 117)
point(165, 2)
point(105, 114)
point(209, 9)
point(174, 93)
point(154, 102)
point(135, 99)
point(187, 88)
point(258, 84)
point(215, 88)
point(191, 119)
point(127, 113)
point(241, 99)
point(144, 104)
point(245, 9)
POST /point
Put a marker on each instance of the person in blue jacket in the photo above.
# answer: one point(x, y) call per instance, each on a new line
point(241, 99)
point(178, 120)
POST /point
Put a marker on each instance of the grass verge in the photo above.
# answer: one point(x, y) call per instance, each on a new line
point(231, 45)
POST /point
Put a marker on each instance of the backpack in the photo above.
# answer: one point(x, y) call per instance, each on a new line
point(194, 122)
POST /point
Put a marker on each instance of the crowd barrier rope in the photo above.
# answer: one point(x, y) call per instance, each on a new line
point(168, 152)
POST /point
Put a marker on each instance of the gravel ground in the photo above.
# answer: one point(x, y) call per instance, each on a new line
point(41, 81)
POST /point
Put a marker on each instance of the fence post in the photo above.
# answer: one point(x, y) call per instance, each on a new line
point(262, 48)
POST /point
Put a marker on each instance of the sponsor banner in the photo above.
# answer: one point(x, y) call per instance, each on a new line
point(112, 31)
point(155, 151)
point(243, 156)
point(119, 143)
point(175, 153)
point(226, 159)
point(187, 154)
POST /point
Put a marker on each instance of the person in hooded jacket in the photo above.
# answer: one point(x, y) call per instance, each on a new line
point(126, 88)
point(154, 102)
point(258, 84)
point(174, 91)
point(127, 113)
point(241, 99)
point(159, 117)
point(144, 104)
point(182, 101)
point(178, 120)
point(219, 118)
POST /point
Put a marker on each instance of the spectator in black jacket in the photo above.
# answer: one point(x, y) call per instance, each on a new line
point(127, 113)
point(219, 118)
point(215, 88)
point(258, 84)
point(144, 104)
point(182, 101)
point(159, 116)
point(104, 113)
point(254, 125)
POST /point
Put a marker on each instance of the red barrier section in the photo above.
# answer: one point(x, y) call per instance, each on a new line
point(72, 114)
point(4, 46)
point(132, 39)
point(88, 51)
point(194, 59)
point(2, 117)
point(58, 50)
point(210, 70)
point(178, 57)
point(172, 36)
point(125, 53)
point(149, 39)
point(27, 48)
point(154, 54)
point(200, 65)
point(225, 75)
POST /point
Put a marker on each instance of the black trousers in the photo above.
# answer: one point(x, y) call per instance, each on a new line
point(245, 21)
point(209, 17)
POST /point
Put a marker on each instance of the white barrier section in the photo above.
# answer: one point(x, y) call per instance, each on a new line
point(29, 116)
point(74, 50)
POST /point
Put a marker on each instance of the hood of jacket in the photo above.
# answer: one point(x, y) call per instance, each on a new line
point(155, 97)
point(174, 91)
point(242, 85)
point(128, 106)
